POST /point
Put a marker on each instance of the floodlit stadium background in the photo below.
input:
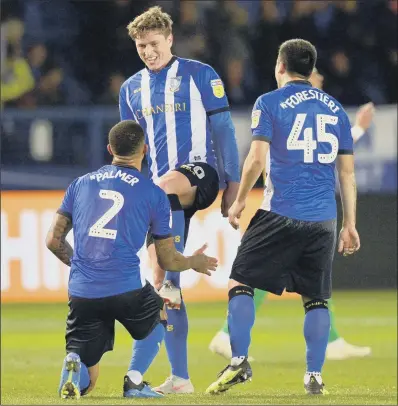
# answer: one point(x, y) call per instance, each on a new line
point(66, 63)
point(62, 64)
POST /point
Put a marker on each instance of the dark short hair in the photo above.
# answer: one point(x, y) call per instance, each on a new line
point(125, 138)
point(299, 56)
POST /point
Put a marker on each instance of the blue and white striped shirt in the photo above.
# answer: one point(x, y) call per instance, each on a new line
point(173, 106)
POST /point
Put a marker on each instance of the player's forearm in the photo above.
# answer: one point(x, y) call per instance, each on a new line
point(348, 191)
point(177, 262)
point(252, 169)
point(56, 238)
point(60, 248)
point(357, 132)
point(169, 258)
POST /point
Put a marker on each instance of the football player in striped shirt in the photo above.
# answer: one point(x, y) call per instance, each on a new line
point(182, 106)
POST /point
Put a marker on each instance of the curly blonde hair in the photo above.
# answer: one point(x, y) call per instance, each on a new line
point(153, 19)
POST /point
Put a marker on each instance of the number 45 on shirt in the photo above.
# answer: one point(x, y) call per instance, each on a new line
point(308, 145)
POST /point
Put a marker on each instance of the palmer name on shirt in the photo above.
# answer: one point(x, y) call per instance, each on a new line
point(125, 177)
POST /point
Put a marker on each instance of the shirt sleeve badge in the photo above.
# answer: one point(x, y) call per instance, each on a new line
point(256, 118)
point(218, 88)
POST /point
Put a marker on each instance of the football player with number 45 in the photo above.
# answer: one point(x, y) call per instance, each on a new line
point(338, 348)
point(300, 135)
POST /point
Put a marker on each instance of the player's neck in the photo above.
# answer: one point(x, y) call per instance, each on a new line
point(168, 62)
point(286, 79)
point(127, 163)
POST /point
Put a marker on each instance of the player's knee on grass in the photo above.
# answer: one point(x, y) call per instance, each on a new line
point(312, 304)
point(93, 373)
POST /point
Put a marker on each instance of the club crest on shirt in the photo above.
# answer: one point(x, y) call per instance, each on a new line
point(255, 118)
point(218, 88)
point(175, 83)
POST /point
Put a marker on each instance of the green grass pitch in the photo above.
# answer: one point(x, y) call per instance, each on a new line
point(32, 350)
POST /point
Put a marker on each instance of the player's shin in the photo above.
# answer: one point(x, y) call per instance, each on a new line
point(259, 296)
point(316, 333)
point(144, 352)
point(241, 315)
point(178, 231)
point(176, 341)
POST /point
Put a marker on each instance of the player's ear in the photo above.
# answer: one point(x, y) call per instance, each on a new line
point(281, 68)
point(145, 149)
point(170, 39)
point(108, 147)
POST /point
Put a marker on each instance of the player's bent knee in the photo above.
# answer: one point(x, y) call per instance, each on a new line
point(169, 184)
point(233, 283)
point(240, 290)
point(174, 182)
point(313, 304)
point(93, 373)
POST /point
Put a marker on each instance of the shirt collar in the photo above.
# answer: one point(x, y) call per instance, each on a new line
point(299, 82)
point(126, 166)
point(165, 68)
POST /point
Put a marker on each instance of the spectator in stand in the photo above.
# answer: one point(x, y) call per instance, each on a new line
point(16, 76)
point(111, 94)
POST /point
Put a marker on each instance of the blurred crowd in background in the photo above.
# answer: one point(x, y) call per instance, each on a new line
point(65, 52)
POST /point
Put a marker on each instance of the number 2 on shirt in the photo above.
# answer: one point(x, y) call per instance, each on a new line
point(98, 228)
point(309, 144)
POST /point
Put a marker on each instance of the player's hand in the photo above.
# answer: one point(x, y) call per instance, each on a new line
point(202, 263)
point(349, 241)
point(235, 212)
point(229, 197)
point(365, 116)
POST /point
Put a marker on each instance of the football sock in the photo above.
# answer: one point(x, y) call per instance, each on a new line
point(259, 296)
point(145, 351)
point(334, 334)
point(241, 317)
point(176, 341)
point(177, 329)
point(178, 230)
point(316, 333)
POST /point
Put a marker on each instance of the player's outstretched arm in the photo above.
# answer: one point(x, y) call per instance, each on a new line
point(56, 238)
point(349, 239)
point(363, 120)
point(172, 260)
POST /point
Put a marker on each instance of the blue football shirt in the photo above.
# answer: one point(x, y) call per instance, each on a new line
point(173, 107)
point(111, 211)
point(306, 129)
